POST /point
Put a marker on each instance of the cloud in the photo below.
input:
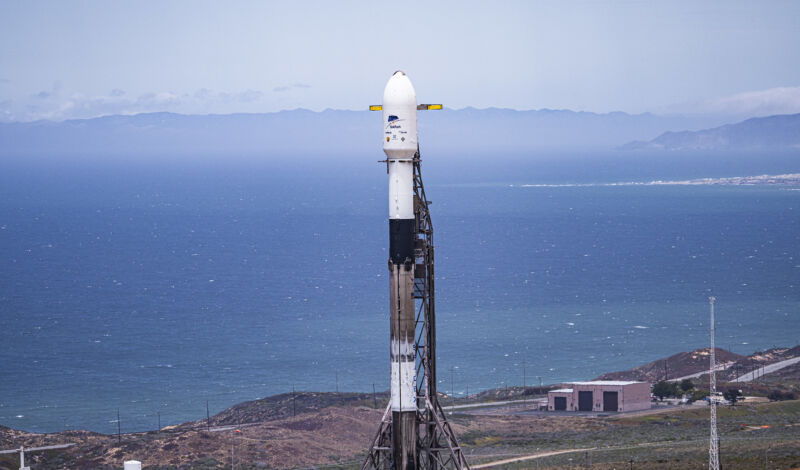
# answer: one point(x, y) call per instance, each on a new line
point(207, 96)
point(249, 96)
point(161, 101)
point(284, 88)
point(5, 111)
point(204, 94)
point(48, 94)
point(3, 81)
point(782, 100)
point(57, 106)
point(53, 105)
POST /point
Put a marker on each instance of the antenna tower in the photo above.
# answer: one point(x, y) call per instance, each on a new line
point(437, 446)
point(713, 443)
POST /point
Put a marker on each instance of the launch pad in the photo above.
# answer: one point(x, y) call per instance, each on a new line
point(436, 446)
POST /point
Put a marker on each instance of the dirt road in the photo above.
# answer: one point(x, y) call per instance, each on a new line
point(537, 455)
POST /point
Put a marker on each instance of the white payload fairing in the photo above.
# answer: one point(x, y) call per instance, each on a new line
point(400, 117)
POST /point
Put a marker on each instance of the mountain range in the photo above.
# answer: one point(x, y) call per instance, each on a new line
point(780, 132)
point(332, 132)
point(340, 133)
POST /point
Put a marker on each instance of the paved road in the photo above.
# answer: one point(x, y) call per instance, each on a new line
point(34, 449)
point(533, 402)
point(768, 369)
point(719, 367)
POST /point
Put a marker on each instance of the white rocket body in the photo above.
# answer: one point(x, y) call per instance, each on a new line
point(400, 144)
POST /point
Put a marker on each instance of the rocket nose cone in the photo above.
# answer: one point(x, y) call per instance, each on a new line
point(399, 88)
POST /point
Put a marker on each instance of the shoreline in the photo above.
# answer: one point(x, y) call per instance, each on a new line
point(285, 404)
point(786, 179)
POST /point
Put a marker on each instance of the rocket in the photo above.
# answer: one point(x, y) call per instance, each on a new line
point(417, 433)
point(400, 145)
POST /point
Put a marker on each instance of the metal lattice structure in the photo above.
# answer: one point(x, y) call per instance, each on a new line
point(713, 442)
point(437, 446)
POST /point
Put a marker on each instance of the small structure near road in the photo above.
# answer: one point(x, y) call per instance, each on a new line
point(601, 395)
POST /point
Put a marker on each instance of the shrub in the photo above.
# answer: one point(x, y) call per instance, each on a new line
point(732, 395)
point(777, 395)
point(665, 389)
point(698, 395)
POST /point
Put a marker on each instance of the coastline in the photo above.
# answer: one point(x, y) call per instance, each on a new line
point(787, 179)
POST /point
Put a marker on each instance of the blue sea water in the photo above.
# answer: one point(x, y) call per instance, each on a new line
point(154, 287)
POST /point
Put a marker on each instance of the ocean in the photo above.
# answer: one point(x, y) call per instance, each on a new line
point(154, 287)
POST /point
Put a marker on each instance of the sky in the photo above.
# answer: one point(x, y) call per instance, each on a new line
point(62, 60)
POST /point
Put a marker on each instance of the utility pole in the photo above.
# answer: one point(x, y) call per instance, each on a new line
point(119, 429)
point(452, 385)
point(374, 398)
point(337, 381)
point(208, 418)
point(159, 420)
point(294, 404)
point(523, 382)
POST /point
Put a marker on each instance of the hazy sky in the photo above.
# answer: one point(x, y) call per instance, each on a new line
point(61, 59)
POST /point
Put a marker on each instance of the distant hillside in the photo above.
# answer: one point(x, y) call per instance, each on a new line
point(696, 362)
point(288, 404)
point(332, 132)
point(767, 133)
point(678, 365)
